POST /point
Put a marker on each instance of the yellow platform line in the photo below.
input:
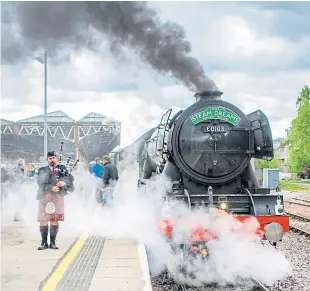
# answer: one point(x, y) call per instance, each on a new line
point(61, 269)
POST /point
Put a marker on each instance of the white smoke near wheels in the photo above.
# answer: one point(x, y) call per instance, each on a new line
point(135, 214)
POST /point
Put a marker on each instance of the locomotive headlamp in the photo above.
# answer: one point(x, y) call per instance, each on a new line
point(222, 203)
point(204, 253)
point(223, 206)
point(279, 208)
point(274, 232)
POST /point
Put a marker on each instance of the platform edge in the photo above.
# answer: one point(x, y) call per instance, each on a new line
point(147, 285)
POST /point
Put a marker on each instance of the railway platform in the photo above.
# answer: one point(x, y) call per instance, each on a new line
point(80, 264)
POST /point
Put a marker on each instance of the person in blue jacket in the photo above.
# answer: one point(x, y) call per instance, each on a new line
point(98, 169)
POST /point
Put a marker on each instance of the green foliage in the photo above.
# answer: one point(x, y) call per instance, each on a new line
point(298, 135)
point(290, 185)
point(273, 164)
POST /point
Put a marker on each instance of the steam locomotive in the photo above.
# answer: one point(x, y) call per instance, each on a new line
point(206, 150)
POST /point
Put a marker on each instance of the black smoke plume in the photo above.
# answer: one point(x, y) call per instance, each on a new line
point(27, 27)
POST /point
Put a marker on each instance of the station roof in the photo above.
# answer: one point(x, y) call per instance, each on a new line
point(92, 118)
point(55, 116)
point(96, 118)
point(60, 117)
point(6, 122)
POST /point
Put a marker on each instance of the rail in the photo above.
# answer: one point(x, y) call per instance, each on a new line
point(299, 230)
point(258, 286)
point(297, 203)
point(298, 216)
point(296, 228)
point(300, 199)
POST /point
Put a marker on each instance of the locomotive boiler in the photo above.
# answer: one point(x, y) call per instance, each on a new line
point(206, 150)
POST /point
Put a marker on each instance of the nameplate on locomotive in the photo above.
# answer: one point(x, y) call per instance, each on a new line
point(215, 128)
point(220, 113)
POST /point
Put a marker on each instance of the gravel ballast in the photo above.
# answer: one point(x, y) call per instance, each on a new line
point(296, 249)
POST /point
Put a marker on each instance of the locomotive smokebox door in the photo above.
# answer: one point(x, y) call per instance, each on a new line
point(212, 142)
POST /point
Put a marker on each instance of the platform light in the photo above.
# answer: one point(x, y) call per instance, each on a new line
point(44, 62)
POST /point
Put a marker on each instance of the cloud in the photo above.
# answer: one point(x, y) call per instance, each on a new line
point(243, 49)
point(238, 40)
point(238, 35)
point(276, 96)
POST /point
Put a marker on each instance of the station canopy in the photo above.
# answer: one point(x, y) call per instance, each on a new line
point(97, 118)
point(5, 122)
point(55, 116)
point(92, 118)
point(60, 117)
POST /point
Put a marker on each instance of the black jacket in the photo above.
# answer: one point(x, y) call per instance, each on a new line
point(18, 175)
point(46, 180)
point(4, 176)
point(109, 173)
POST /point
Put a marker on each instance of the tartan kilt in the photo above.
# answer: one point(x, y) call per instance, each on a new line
point(59, 213)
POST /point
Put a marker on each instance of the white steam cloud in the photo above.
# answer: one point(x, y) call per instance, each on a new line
point(236, 254)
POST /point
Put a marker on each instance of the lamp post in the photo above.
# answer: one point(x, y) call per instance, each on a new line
point(44, 61)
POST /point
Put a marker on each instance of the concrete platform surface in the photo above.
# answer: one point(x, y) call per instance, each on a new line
point(23, 267)
point(122, 266)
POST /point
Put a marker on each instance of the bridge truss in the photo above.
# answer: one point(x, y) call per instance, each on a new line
point(61, 127)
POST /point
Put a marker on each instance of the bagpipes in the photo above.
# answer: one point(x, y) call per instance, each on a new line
point(68, 161)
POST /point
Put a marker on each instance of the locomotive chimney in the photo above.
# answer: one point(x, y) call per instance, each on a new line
point(208, 95)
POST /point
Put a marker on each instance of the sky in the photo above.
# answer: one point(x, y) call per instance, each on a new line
point(257, 53)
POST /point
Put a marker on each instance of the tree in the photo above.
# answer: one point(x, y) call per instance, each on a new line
point(273, 164)
point(298, 135)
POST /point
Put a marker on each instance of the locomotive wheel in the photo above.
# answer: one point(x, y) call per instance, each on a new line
point(189, 260)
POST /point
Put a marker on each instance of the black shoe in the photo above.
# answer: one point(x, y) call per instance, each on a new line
point(43, 247)
point(53, 234)
point(53, 246)
point(44, 233)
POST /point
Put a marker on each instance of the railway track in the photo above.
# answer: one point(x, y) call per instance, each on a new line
point(299, 230)
point(257, 287)
point(296, 228)
point(298, 216)
point(302, 200)
point(298, 203)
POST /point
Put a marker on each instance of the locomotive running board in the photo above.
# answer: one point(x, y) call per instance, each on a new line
point(283, 220)
point(237, 203)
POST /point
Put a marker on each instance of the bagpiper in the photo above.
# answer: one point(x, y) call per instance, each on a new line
point(54, 182)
